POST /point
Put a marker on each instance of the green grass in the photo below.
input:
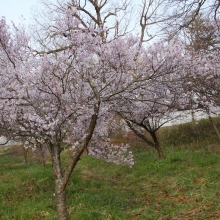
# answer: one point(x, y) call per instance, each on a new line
point(185, 185)
point(198, 136)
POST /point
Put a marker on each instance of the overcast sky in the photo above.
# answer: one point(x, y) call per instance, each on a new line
point(13, 9)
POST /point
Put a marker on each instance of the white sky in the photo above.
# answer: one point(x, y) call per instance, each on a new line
point(13, 9)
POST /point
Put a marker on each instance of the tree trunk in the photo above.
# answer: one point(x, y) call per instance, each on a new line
point(157, 144)
point(42, 159)
point(60, 200)
point(159, 151)
point(59, 186)
point(194, 121)
point(193, 117)
point(25, 152)
point(61, 176)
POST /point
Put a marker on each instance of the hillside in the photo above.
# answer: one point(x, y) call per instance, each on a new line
point(184, 185)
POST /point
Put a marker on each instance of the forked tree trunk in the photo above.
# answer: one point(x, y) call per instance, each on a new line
point(155, 143)
point(61, 180)
point(62, 177)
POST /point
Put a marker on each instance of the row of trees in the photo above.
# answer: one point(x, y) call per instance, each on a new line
point(63, 84)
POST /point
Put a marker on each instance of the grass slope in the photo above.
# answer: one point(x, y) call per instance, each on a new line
point(185, 185)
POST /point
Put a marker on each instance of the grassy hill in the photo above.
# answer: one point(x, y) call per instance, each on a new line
point(200, 135)
point(184, 185)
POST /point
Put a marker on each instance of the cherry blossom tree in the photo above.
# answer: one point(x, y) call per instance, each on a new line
point(181, 14)
point(58, 96)
point(153, 103)
point(60, 86)
point(11, 48)
point(201, 54)
point(108, 19)
point(202, 85)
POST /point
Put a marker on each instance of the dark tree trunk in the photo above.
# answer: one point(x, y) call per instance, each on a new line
point(159, 151)
point(157, 144)
point(153, 133)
